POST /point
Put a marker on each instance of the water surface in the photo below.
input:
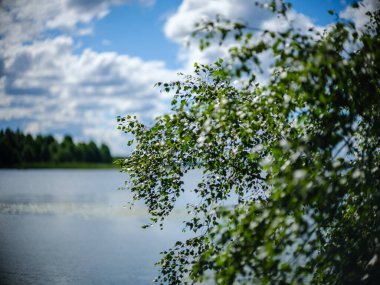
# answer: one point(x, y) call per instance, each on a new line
point(73, 227)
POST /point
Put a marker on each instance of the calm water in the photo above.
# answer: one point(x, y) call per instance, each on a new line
point(72, 227)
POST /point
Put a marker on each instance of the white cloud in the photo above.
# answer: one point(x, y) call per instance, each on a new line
point(293, 19)
point(106, 42)
point(26, 20)
point(181, 24)
point(358, 15)
point(85, 32)
point(33, 128)
point(147, 2)
point(53, 88)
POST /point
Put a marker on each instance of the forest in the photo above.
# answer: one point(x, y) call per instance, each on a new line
point(17, 149)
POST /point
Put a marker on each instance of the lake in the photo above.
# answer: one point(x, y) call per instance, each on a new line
point(74, 227)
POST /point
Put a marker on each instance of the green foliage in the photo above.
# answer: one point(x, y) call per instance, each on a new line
point(301, 152)
point(17, 149)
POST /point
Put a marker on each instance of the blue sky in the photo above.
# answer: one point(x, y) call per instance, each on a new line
point(72, 66)
point(137, 30)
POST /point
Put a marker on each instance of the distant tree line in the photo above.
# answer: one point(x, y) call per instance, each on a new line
point(18, 148)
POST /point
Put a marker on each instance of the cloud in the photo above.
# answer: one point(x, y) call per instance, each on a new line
point(293, 19)
point(26, 20)
point(106, 42)
point(180, 25)
point(358, 15)
point(52, 88)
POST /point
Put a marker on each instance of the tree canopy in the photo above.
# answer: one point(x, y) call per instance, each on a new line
point(301, 152)
point(17, 148)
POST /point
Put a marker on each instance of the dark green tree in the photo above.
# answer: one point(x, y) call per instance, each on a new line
point(66, 150)
point(105, 153)
point(93, 153)
point(301, 152)
point(42, 149)
point(28, 149)
point(53, 147)
point(17, 148)
point(5, 149)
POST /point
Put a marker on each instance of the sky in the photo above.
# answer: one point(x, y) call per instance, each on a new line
point(73, 66)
